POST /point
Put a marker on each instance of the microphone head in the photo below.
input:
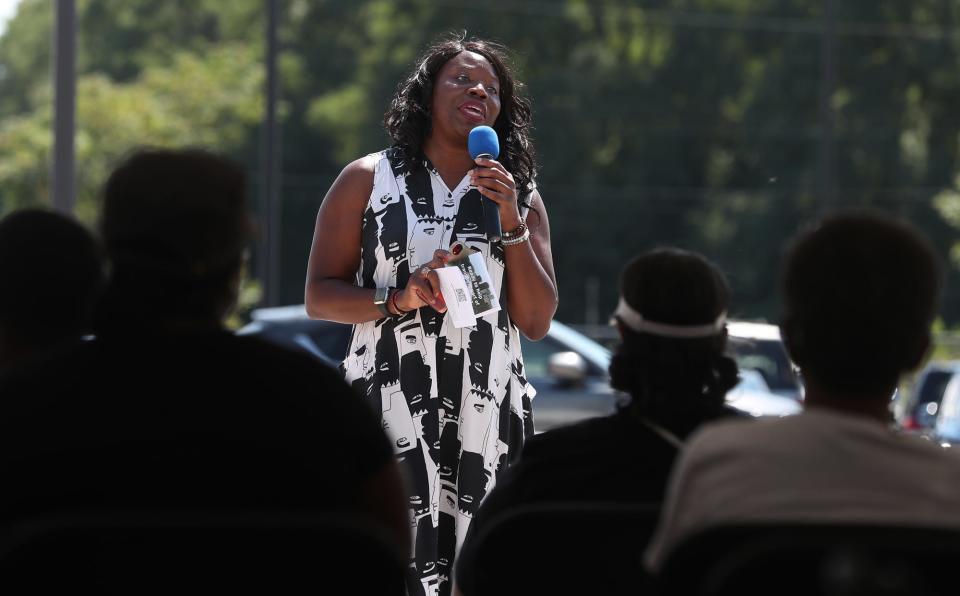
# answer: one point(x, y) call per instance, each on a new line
point(483, 141)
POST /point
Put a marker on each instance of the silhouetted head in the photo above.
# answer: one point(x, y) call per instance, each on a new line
point(175, 226)
point(52, 273)
point(409, 119)
point(860, 291)
point(672, 317)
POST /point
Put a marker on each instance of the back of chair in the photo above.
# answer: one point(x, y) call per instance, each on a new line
point(564, 548)
point(808, 559)
point(197, 553)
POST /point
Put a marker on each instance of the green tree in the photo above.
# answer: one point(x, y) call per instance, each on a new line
point(694, 123)
point(213, 101)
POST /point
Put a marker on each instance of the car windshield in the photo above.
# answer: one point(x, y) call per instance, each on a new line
point(766, 357)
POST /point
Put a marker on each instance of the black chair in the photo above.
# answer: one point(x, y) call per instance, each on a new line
point(197, 552)
point(564, 548)
point(814, 559)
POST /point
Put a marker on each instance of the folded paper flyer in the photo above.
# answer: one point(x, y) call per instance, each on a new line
point(467, 289)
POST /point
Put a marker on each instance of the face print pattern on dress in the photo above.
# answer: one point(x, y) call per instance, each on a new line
point(427, 237)
point(432, 321)
point(425, 551)
point(415, 374)
point(509, 423)
point(387, 356)
point(479, 354)
point(474, 478)
point(451, 407)
point(369, 246)
point(503, 320)
point(419, 190)
point(389, 213)
point(430, 230)
point(470, 220)
point(447, 544)
point(399, 161)
point(397, 421)
point(477, 457)
point(450, 386)
point(416, 382)
point(415, 469)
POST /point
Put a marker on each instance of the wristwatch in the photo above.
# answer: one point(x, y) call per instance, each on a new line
point(380, 297)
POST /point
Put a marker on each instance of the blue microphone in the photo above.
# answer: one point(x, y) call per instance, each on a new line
point(483, 142)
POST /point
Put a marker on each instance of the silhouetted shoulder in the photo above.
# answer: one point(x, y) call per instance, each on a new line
point(216, 386)
point(590, 434)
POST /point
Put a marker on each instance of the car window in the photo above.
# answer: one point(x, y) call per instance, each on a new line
point(950, 409)
point(767, 357)
point(931, 388)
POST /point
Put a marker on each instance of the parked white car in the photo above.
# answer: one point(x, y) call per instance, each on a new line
point(752, 396)
point(758, 347)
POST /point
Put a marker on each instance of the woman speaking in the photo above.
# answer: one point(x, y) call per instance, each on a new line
point(454, 401)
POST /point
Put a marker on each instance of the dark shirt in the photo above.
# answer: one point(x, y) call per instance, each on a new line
point(615, 458)
point(199, 419)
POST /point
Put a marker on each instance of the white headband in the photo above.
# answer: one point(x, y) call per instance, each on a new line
point(635, 321)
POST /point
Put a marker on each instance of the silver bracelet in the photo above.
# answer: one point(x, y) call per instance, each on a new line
point(525, 237)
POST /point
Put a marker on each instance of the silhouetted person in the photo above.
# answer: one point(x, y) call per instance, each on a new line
point(167, 409)
point(672, 363)
point(52, 272)
point(860, 292)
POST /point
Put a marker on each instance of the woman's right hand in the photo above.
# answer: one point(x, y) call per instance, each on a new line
point(423, 286)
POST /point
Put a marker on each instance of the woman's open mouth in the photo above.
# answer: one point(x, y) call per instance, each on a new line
point(473, 111)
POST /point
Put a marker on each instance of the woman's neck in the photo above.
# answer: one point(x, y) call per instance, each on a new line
point(451, 160)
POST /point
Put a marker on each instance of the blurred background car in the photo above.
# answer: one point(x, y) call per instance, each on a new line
point(921, 409)
point(946, 423)
point(753, 396)
point(758, 347)
point(290, 326)
point(567, 368)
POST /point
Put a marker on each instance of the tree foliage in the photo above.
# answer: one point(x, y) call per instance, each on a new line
point(706, 124)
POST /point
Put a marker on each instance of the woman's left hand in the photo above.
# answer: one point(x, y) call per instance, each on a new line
point(497, 184)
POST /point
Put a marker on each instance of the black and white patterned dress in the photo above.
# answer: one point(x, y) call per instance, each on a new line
point(453, 402)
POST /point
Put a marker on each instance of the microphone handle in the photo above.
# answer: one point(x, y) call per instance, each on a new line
point(491, 217)
point(491, 212)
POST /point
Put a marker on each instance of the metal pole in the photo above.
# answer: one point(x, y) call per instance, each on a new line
point(270, 165)
point(62, 173)
point(827, 83)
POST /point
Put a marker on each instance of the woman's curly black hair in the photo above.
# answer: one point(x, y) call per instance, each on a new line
point(673, 378)
point(407, 120)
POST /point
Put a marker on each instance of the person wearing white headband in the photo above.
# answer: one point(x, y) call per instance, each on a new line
point(672, 320)
point(672, 316)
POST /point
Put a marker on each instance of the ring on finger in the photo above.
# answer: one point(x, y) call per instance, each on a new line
point(425, 270)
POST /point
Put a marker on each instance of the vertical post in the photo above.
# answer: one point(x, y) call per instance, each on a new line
point(269, 165)
point(62, 171)
point(827, 83)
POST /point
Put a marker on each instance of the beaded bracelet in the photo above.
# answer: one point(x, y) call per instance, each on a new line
point(396, 307)
point(525, 237)
point(520, 230)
